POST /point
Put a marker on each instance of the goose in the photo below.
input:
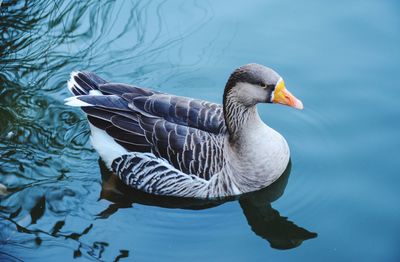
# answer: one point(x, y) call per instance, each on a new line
point(177, 146)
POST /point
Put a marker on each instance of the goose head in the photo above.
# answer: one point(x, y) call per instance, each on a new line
point(253, 83)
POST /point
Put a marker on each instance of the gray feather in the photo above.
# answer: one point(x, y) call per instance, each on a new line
point(188, 133)
point(185, 147)
point(153, 175)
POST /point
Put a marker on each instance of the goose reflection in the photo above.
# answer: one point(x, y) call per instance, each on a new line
point(264, 220)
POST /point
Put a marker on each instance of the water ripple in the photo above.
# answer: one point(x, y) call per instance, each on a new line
point(55, 200)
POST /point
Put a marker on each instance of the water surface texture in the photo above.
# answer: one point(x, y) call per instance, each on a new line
point(339, 199)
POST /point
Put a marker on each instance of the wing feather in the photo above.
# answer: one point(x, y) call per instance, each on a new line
point(124, 89)
point(152, 175)
point(188, 133)
point(180, 110)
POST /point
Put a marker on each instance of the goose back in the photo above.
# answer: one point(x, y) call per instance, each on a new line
point(188, 133)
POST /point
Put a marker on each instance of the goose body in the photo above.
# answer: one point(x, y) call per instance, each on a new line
point(177, 146)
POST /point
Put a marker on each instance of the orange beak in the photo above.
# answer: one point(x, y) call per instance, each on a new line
point(284, 97)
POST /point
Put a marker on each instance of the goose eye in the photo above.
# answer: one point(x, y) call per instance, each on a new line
point(263, 85)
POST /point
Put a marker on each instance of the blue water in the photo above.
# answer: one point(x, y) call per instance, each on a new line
point(341, 58)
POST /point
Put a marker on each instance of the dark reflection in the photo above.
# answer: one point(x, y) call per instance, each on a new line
point(265, 221)
point(44, 154)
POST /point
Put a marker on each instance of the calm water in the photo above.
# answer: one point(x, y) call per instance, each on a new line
point(341, 58)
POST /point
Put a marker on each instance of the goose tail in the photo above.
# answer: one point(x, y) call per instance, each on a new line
point(85, 83)
point(85, 87)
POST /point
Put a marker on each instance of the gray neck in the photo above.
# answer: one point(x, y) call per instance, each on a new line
point(256, 154)
point(239, 118)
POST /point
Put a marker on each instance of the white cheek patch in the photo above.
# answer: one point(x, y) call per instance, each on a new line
point(273, 92)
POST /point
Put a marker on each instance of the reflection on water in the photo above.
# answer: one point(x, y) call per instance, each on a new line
point(265, 221)
point(343, 63)
point(52, 204)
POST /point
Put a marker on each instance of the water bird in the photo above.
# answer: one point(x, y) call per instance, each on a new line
point(171, 145)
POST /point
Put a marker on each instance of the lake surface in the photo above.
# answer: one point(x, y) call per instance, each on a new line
point(339, 200)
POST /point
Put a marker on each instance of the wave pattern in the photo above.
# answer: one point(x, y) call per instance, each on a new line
point(52, 196)
point(44, 151)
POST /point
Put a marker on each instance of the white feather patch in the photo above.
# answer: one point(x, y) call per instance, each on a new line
point(95, 93)
point(105, 145)
point(74, 101)
point(71, 82)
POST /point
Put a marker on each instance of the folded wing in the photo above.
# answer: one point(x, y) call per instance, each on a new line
point(188, 133)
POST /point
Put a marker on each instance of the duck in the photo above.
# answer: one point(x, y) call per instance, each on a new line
point(177, 146)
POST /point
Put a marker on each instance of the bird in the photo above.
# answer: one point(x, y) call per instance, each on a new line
point(171, 145)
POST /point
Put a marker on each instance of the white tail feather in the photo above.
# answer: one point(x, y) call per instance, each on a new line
point(72, 83)
point(95, 93)
point(74, 101)
point(105, 145)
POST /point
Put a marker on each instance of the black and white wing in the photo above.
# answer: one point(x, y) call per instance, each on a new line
point(188, 133)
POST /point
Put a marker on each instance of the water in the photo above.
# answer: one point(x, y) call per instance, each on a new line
point(340, 58)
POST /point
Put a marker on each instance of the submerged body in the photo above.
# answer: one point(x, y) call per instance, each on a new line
point(170, 145)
